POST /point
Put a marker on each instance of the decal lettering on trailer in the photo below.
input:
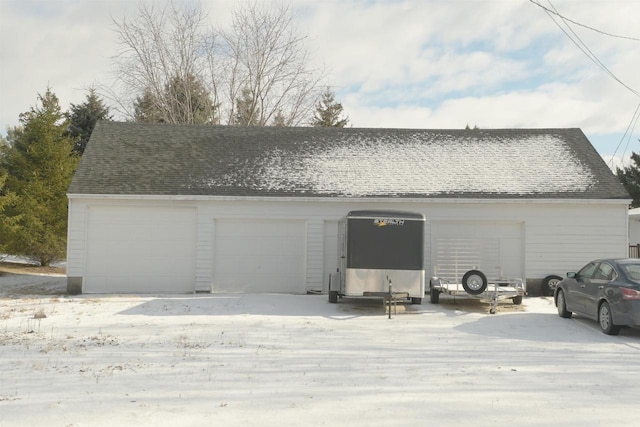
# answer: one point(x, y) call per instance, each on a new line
point(383, 222)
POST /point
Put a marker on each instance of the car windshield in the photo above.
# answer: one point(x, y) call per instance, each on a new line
point(632, 270)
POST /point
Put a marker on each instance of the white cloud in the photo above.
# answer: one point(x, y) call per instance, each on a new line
point(412, 63)
point(67, 50)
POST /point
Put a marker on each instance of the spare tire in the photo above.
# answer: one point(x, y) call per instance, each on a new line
point(549, 285)
point(474, 282)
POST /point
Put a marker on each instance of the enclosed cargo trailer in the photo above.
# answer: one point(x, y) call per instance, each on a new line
point(380, 253)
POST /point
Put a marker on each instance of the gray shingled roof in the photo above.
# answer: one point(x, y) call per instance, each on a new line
point(160, 159)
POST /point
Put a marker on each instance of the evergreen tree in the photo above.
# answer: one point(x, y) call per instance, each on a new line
point(630, 179)
point(147, 108)
point(83, 118)
point(4, 198)
point(38, 165)
point(190, 101)
point(247, 112)
point(279, 120)
point(328, 112)
point(183, 100)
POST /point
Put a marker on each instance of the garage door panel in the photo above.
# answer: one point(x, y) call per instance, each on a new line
point(110, 283)
point(496, 248)
point(259, 256)
point(144, 267)
point(140, 250)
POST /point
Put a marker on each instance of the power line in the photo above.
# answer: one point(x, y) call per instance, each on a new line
point(551, 12)
point(582, 46)
point(585, 49)
point(555, 12)
point(632, 126)
point(597, 61)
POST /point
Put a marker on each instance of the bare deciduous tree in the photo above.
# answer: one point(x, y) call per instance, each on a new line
point(265, 60)
point(260, 63)
point(162, 49)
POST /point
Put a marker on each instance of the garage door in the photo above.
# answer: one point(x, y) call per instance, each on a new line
point(140, 250)
point(259, 256)
point(495, 248)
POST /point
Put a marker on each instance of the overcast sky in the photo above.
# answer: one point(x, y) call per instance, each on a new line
point(398, 64)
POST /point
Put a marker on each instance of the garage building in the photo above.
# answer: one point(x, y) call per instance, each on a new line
point(157, 208)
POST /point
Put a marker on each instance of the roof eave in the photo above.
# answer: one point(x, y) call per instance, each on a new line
point(454, 200)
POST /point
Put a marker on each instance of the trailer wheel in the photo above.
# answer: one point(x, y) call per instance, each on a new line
point(549, 285)
point(474, 282)
point(416, 300)
point(333, 297)
point(517, 300)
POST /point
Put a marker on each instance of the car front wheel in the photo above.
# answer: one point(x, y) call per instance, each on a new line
point(562, 306)
point(606, 320)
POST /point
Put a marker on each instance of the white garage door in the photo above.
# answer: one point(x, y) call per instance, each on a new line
point(140, 250)
point(259, 256)
point(495, 248)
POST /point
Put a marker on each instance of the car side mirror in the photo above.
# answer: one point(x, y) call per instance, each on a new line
point(572, 275)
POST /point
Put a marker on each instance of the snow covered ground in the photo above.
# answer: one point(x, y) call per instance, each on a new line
point(285, 360)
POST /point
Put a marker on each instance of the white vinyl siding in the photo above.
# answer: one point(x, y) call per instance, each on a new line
point(634, 229)
point(330, 252)
point(314, 262)
point(561, 239)
point(140, 250)
point(76, 239)
point(556, 236)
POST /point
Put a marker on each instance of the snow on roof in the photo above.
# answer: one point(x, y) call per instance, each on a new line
point(158, 159)
point(634, 212)
point(427, 166)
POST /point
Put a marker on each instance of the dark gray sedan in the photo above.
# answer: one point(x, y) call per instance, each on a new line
point(606, 290)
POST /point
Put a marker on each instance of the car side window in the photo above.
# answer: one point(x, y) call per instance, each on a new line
point(588, 271)
point(633, 270)
point(605, 272)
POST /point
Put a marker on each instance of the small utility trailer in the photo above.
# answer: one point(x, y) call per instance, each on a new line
point(380, 254)
point(470, 267)
point(474, 284)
